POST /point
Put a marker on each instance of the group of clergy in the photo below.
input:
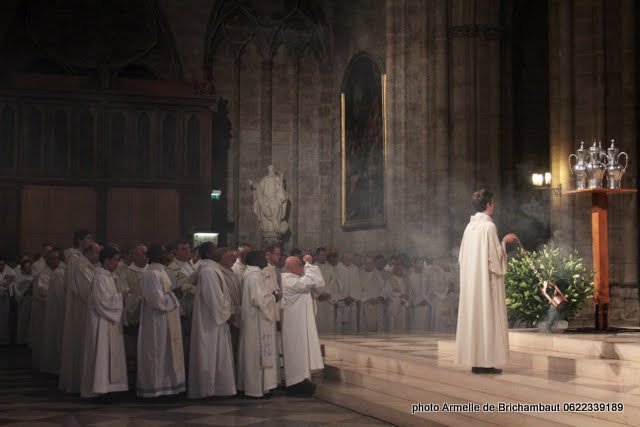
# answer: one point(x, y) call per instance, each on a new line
point(210, 322)
point(370, 294)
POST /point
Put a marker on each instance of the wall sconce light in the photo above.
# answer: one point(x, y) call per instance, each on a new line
point(542, 181)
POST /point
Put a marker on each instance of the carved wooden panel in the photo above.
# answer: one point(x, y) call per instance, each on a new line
point(85, 142)
point(142, 215)
point(8, 134)
point(51, 214)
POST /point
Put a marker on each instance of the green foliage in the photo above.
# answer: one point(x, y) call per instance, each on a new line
point(525, 302)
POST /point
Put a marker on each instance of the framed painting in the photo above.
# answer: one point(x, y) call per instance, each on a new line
point(363, 138)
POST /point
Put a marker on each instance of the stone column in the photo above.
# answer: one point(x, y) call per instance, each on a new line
point(396, 114)
point(266, 112)
point(561, 99)
point(592, 69)
point(475, 102)
point(437, 161)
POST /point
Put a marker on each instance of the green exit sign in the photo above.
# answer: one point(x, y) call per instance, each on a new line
point(216, 194)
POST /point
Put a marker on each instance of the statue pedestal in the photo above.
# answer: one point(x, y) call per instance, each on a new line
point(270, 237)
point(600, 244)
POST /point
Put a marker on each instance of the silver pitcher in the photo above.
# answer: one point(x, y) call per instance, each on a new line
point(579, 168)
point(614, 170)
point(595, 167)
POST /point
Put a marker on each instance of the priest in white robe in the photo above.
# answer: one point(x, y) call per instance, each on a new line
point(239, 266)
point(226, 257)
point(104, 366)
point(22, 291)
point(258, 355)
point(7, 276)
point(272, 282)
point(420, 306)
point(397, 294)
point(39, 305)
point(438, 293)
point(325, 296)
point(347, 277)
point(53, 322)
point(299, 333)
point(133, 281)
point(211, 371)
point(482, 339)
point(41, 263)
point(371, 298)
point(77, 298)
point(161, 369)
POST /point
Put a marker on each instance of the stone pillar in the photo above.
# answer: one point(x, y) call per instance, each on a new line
point(236, 149)
point(396, 115)
point(474, 75)
point(266, 113)
point(592, 69)
point(437, 161)
point(561, 99)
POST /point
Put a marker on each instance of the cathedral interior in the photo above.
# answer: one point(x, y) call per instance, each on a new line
point(382, 117)
point(122, 118)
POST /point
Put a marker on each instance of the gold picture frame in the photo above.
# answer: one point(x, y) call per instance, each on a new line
point(363, 124)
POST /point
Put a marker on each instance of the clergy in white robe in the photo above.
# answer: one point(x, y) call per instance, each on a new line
point(371, 298)
point(226, 259)
point(211, 371)
point(396, 293)
point(239, 266)
point(325, 296)
point(133, 281)
point(452, 277)
point(272, 282)
point(420, 306)
point(348, 293)
point(257, 354)
point(78, 291)
point(438, 292)
point(181, 269)
point(22, 291)
point(39, 305)
point(161, 369)
point(7, 276)
point(53, 323)
point(482, 340)
point(104, 366)
point(299, 333)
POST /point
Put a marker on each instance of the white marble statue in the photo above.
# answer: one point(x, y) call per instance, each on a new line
point(270, 204)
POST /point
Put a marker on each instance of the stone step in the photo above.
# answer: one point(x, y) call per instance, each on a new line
point(430, 392)
point(621, 371)
point(624, 346)
point(516, 385)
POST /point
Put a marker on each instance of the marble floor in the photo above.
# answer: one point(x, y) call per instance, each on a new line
point(28, 399)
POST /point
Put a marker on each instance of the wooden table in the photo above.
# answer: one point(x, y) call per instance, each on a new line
point(600, 242)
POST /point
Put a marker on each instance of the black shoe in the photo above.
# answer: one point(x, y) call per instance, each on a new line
point(478, 370)
point(303, 389)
